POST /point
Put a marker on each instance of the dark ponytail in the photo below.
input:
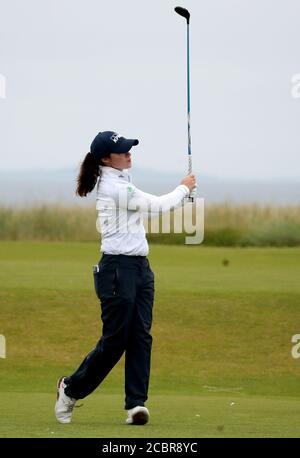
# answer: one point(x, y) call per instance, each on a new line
point(88, 175)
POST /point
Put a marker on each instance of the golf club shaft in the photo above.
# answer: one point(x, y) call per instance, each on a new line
point(189, 102)
point(192, 195)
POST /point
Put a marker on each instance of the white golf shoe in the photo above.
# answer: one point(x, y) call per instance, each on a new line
point(64, 405)
point(139, 415)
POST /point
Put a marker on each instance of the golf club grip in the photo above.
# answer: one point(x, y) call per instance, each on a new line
point(190, 168)
point(192, 194)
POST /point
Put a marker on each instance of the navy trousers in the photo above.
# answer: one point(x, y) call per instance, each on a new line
point(125, 287)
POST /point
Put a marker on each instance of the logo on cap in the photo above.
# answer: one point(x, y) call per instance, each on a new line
point(115, 137)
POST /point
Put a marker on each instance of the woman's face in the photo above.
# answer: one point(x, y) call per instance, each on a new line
point(118, 160)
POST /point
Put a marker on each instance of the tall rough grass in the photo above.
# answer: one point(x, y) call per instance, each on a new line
point(252, 225)
point(225, 225)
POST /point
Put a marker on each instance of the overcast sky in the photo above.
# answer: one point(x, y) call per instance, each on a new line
point(76, 67)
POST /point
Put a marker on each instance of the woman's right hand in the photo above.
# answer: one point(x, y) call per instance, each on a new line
point(189, 181)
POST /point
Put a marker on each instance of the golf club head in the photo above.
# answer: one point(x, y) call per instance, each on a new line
point(183, 12)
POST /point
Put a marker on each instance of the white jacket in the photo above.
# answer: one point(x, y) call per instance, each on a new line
point(121, 208)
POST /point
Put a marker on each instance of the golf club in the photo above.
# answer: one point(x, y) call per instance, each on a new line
point(185, 13)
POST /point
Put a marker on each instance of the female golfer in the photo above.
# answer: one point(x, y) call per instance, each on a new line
point(124, 281)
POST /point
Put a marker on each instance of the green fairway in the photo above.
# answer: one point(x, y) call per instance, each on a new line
point(31, 415)
point(221, 361)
